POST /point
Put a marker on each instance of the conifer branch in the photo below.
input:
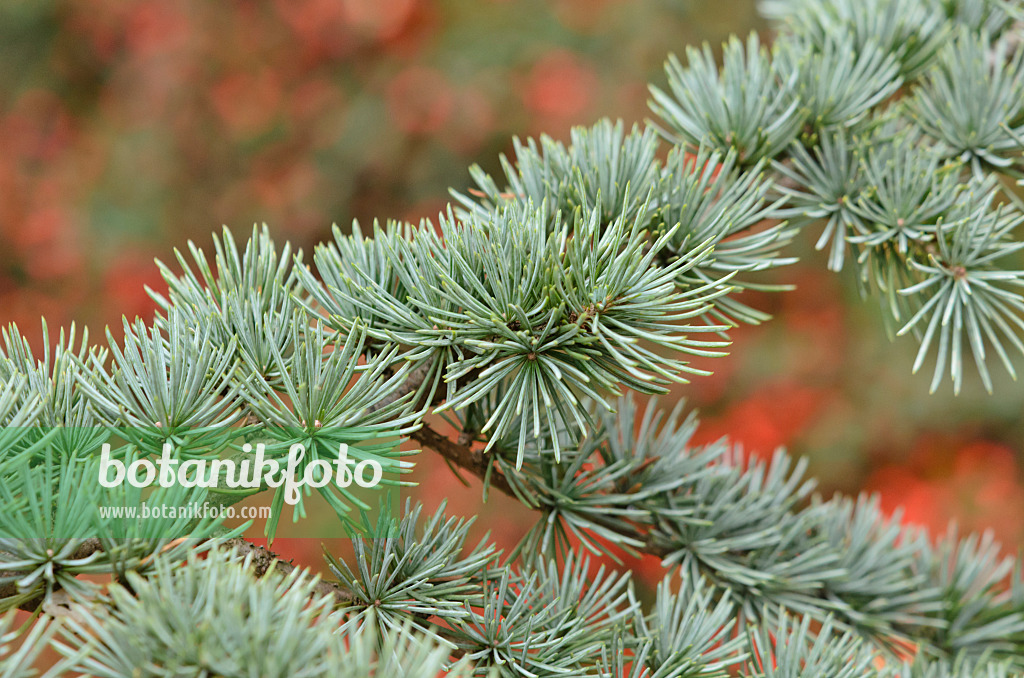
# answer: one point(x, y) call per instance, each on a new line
point(463, 456)
point(587, 270)
point(263, 560)
point(10, 589)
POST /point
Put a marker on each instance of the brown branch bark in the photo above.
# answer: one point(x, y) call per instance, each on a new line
point(458, 452)
point(463, 456)
point(10, 589)
point(414, 380)
point(411, 383)
point(262, 561)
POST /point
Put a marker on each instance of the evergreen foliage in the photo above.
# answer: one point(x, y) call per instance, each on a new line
point(891, 130)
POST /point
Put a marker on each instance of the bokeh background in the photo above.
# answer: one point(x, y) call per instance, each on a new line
point(129, 127)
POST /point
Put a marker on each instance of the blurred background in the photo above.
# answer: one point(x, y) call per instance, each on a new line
point(128, 128)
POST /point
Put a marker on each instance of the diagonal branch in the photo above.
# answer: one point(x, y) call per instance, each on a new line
point(412, 382)
point(264, 559)
point(460, 453)
point(464, 456)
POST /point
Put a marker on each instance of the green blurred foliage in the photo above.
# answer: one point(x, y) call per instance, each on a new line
point(129, 127)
